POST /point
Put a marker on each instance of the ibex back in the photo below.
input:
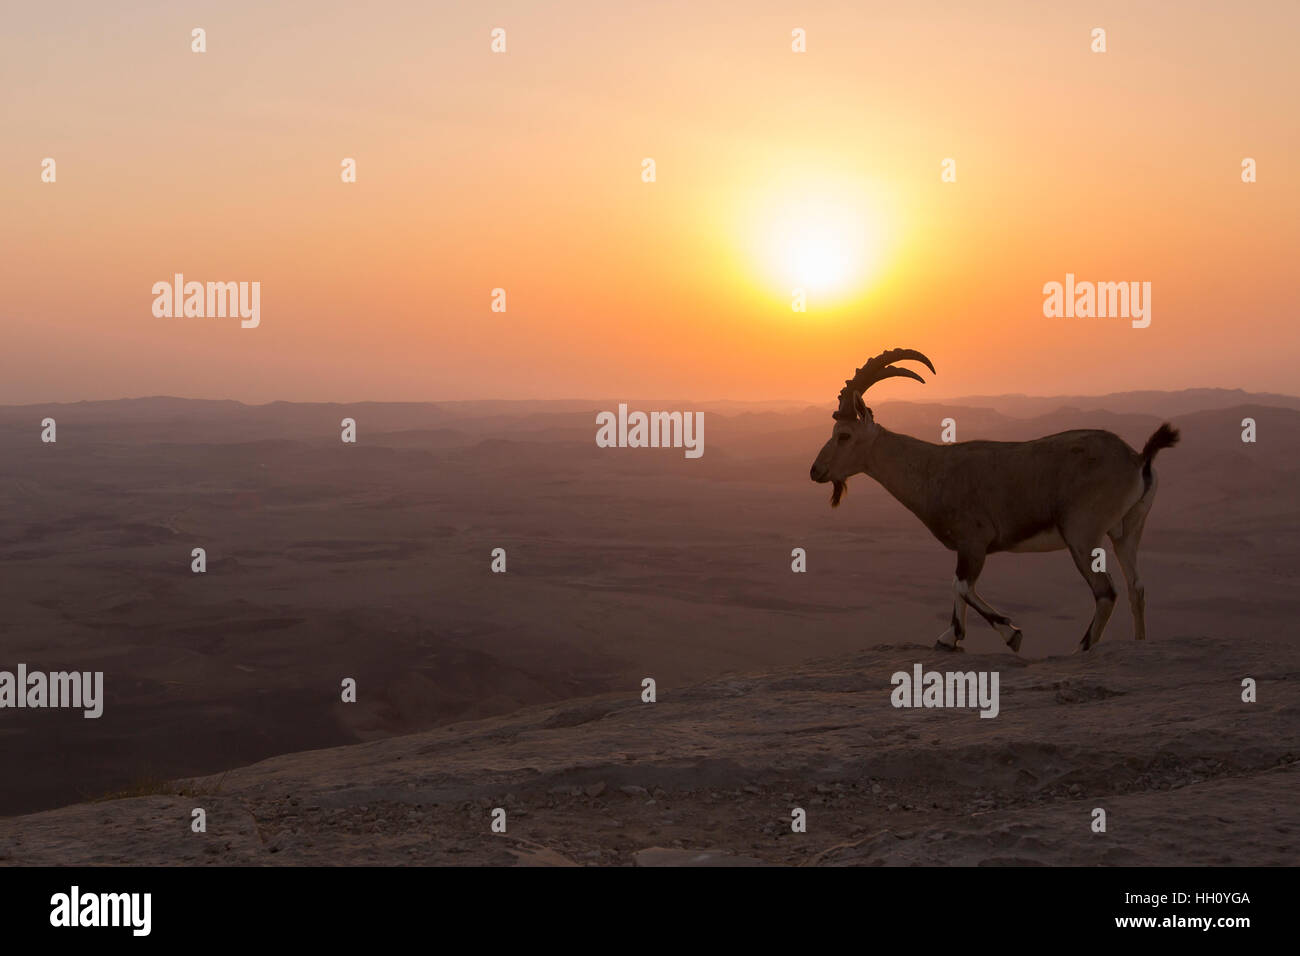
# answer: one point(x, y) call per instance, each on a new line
point(1063, 492)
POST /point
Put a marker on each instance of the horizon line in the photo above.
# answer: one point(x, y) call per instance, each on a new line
point(710, 401)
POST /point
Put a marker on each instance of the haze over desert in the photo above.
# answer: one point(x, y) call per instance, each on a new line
point(372, 561)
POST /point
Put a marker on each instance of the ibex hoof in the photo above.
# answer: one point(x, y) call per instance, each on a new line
point(1013, 641)
point(951, 648)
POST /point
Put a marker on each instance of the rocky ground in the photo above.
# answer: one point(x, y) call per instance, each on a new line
point(1156, 734)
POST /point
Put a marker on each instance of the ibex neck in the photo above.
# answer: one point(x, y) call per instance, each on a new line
point(904, 466)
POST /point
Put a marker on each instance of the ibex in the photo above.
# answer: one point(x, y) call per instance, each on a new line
point(978, 497)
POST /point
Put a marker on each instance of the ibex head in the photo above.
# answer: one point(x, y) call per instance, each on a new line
point(855, 428)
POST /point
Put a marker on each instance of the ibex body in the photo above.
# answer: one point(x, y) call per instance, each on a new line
point(1063, 492)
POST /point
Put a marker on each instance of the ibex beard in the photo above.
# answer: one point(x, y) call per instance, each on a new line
point(838, 488)
point(1067, 491)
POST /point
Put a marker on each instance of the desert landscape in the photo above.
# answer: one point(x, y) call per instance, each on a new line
point(522, 690)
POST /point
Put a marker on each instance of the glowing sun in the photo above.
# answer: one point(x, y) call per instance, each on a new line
point(829, 244)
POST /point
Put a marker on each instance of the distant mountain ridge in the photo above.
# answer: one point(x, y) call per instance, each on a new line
point(440, 413)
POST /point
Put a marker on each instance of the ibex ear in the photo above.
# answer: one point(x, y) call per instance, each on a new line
point(860, 406)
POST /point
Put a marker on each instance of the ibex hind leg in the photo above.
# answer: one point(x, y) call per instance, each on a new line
point(1126, 537)
point(1103, 591)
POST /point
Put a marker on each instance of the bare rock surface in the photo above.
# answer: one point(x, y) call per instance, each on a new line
point(1155, 734)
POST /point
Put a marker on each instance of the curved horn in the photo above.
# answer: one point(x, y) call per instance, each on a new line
point(876, 370)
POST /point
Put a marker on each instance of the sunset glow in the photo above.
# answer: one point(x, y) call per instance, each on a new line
point(522, 170)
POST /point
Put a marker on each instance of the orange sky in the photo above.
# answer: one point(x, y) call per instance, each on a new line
point(523, 171)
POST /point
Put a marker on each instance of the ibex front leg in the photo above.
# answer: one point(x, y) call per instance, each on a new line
point(969, 567)
point(950, 640)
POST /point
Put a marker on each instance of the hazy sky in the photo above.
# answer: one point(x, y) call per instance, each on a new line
point(523, 171)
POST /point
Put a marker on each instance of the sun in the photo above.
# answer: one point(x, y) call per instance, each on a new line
point(824, 241)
